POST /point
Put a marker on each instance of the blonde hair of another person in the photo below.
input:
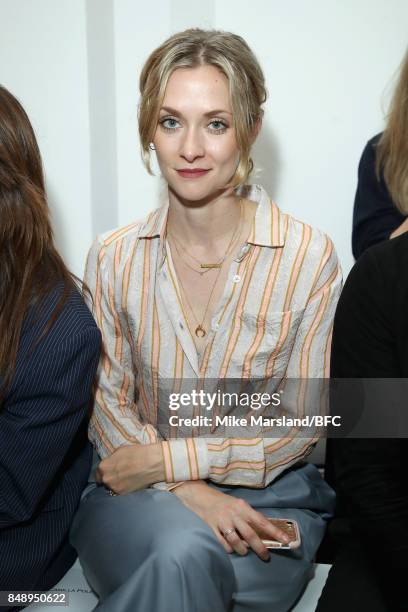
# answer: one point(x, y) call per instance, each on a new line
point(392, 148)
point(192, 48)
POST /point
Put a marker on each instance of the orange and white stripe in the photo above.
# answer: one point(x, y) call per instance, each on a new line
point(275, 320)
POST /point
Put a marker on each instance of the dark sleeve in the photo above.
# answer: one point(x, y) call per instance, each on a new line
point(39, 421)
point(375, 216)
point(370, 474)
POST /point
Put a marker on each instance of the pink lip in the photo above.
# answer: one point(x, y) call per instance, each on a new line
point(192, 173)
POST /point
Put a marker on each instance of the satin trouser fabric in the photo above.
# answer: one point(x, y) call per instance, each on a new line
point(146, 551)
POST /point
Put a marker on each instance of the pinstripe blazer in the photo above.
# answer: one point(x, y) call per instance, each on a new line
point(44, 452)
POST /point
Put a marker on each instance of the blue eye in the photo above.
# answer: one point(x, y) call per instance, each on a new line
point(170, 124)
point(218, 124)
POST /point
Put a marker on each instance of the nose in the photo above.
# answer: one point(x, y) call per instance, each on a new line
point(191, 146)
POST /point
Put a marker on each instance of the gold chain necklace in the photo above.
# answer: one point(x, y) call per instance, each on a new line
point(207, 267)
point(199, 331)
point(200, 272)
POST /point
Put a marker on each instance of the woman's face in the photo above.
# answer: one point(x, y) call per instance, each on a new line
point(195, 139)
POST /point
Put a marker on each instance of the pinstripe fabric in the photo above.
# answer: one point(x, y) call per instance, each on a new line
point(44, 454)
point(274, 319)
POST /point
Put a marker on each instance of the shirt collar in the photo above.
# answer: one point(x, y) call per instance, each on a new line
point(268, 229)
point(269, 223)
point(155, 224)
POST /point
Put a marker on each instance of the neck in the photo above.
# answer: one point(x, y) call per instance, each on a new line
point(205, 223)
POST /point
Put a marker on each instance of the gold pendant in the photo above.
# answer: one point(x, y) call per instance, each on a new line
point(210, 266)
point(200, 332)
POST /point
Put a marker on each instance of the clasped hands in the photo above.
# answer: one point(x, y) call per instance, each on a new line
point(134, 467)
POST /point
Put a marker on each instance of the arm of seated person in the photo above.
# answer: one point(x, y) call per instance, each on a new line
point(368, 473)
point(39, 421)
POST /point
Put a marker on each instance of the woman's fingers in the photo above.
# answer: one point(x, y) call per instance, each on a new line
point(259, 521)
point(253, 540)
point(234, 521)
point(223, 541)
point(232, 537)
point(248, 528)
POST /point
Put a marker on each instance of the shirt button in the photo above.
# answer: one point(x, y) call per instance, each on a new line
point(216, 325)
point(236, 278)
point(181, 325)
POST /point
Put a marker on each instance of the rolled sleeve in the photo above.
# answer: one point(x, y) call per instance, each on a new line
point(185, 459)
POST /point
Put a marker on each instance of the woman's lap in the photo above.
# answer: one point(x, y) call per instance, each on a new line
point(115, 534)
point(300, 494)
point(130, 538)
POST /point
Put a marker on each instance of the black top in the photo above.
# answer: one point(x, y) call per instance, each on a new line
point(371, 475)
point(375, 216)
point(45, 456)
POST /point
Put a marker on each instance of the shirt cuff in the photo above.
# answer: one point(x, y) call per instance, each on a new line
point(166, 486)
point(185, 459)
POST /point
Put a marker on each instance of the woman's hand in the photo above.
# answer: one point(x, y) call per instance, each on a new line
point(131, 468)
point(232, 519)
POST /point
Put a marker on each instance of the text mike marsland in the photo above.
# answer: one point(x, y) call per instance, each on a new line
point(255, 421)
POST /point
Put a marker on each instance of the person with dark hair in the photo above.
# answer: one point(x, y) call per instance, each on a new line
point(381, 202)
point(49, 352)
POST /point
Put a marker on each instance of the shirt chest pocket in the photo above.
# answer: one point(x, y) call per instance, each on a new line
point(270, 340)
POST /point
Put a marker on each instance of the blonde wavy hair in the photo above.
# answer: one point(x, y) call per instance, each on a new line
point(392, 148)
point(233, 57)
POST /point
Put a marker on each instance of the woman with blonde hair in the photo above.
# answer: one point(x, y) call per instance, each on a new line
point(216, 284)
point(381, 202)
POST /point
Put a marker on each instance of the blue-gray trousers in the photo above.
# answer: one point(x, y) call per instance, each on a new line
point(147, 552)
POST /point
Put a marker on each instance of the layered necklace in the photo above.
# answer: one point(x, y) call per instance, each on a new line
point(200, 331)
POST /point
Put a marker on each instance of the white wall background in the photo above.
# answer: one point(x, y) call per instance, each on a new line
point(74, 64)
point(43, 61)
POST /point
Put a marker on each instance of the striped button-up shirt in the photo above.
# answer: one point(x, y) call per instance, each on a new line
point(274, 319)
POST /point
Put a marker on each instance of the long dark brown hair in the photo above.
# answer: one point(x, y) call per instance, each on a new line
point(30, 266)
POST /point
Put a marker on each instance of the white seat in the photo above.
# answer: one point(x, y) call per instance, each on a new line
point(80, 595)
point(310, 597)
point(82, 599)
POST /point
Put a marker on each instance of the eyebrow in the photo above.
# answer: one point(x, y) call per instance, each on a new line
point(175, 112)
